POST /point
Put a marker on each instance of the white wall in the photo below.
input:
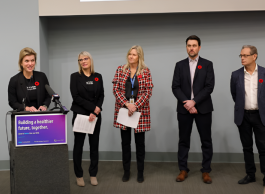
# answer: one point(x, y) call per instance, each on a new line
point(162, 37)
point(19, 28)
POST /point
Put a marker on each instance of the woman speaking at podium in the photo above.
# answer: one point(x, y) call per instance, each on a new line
point(26, 90)
point(132, 88)
point(88, 94)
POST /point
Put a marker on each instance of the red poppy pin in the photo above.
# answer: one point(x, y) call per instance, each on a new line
point(37, 83)
point(96, 79)
point(139, 76)
point(199, 67)
point(260, 80)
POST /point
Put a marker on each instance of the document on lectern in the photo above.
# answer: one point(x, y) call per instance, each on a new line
point(83, 125)
point(124, 119)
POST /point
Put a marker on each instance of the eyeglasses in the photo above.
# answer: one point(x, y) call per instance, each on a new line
point(244, 56)
point(85, 59)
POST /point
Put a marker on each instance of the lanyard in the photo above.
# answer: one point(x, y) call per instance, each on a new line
point(133, 80)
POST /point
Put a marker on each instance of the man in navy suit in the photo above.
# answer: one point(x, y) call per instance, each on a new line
point(192, 85)
point(248, 92)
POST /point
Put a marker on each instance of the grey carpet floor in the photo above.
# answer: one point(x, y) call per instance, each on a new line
point(159, 179)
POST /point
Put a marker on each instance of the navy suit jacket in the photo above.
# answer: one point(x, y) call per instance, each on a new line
point(203, 84)
point(237, 86)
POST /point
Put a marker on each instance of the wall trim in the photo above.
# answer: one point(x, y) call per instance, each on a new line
point(157, 157)
point(170, 157)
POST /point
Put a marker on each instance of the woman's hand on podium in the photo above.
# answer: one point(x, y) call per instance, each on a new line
point(42, 108)
point(30, 109)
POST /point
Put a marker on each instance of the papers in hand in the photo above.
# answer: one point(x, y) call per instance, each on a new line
point(124, 119)
point(82, 124)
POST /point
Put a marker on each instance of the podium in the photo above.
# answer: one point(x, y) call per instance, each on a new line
point(39, 153)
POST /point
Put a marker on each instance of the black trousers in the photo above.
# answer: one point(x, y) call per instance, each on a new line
point(203, 123)
point(252, 123)
point(126, 149)
point(78, 149)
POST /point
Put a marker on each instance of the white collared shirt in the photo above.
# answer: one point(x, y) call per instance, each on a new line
point(251, 89)
point(193, 65)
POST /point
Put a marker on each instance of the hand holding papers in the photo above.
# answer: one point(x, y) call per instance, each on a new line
point(124, 119)
point(83, 125)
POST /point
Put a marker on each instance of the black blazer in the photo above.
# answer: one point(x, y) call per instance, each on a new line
point(81, 104)
point(17, 90)
point(203, 85)
point(237, 87)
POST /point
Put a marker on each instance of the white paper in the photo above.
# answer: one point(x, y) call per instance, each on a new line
point(83, 125)
point(124, 119)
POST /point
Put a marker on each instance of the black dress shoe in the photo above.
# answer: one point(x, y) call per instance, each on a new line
point(247, 179)
point(140, 177)
point(126, 176)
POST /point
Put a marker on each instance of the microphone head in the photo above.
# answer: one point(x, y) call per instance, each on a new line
point(49, 90)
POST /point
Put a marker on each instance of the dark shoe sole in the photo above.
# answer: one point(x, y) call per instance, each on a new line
point(247, 182)
point(140, 181)
point(210, 182)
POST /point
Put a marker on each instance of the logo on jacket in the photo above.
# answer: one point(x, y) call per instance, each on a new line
point(89, 82)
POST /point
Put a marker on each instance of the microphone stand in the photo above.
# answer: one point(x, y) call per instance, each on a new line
point(55, 106)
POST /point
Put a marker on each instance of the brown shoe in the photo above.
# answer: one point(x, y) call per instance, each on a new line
point(182, 176)
point(80, 182)
point(94, 181)
point(206, 178)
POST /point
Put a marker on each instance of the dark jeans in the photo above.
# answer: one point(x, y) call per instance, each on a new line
point(78, 149)
point(203, 123)
point(126, 149)
point(252, 123)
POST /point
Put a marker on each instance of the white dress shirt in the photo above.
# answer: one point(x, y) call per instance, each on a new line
point(251, 89)
point(193, 65)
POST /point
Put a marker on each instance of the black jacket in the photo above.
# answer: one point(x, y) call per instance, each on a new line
point(203, 84)
point(81, 103)
point(237, 86)
point(17, 90)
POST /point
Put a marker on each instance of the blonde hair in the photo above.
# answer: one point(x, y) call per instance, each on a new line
point(25, 52)
point(141, 64)
point(85, 53)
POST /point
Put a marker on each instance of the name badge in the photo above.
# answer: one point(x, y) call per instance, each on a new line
point(89, 82)
point(131, 100)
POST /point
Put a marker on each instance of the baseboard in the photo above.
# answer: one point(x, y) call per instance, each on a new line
point(157, 157)
point(171, 157)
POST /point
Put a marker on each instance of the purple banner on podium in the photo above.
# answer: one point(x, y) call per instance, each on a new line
point(44, 129)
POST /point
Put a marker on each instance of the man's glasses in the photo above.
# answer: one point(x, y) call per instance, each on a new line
point(244, 56)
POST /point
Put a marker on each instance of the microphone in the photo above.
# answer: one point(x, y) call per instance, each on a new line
point(55, 98)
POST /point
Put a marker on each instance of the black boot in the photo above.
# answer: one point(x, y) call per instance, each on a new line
point(247, 179)
point(140, 177)
point(126, 176)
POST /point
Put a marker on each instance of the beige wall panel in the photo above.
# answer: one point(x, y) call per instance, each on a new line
point(75, 7)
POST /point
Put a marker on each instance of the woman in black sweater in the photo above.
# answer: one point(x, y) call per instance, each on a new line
point(88, 94)
point(26, 90)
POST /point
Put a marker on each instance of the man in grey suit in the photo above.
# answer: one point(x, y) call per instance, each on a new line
point(248, 92)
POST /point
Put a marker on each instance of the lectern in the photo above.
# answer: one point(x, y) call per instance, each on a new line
point(39, 153)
